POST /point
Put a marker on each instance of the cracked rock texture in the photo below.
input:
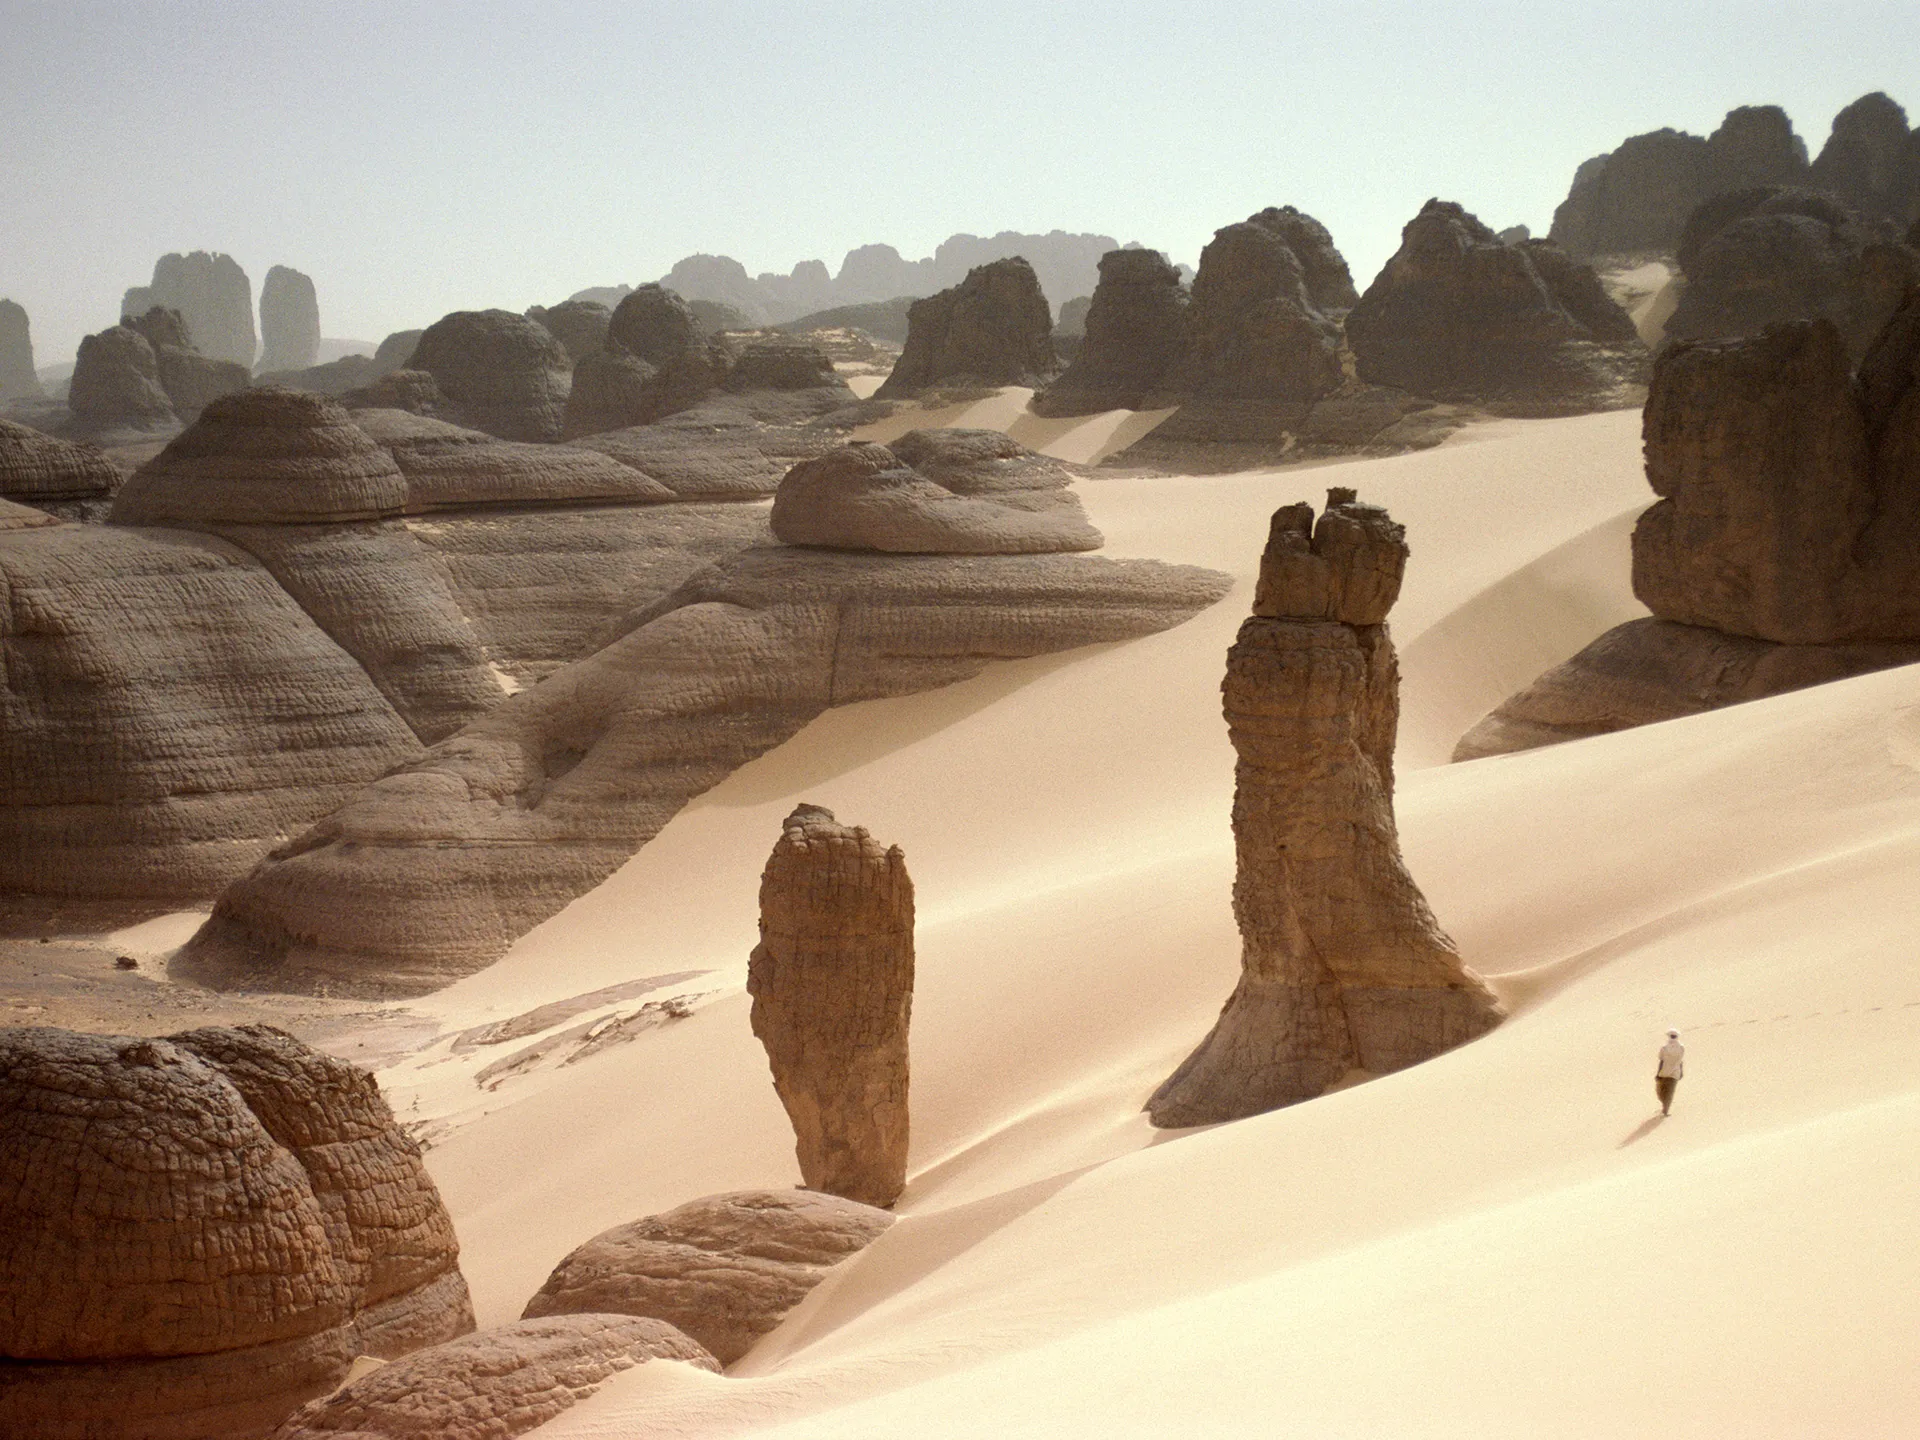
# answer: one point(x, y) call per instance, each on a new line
point(453, 856)
point(933, 492)
point(731, 446)
point(993, 328)
point(500, 372)
point(198, 1234)
point(494, 1385)
point(1343, 965)
point(447, 467)
point(1136, 330)
point(37, 469)
point(724, 1269)
point(832, 987)
point(653, 362)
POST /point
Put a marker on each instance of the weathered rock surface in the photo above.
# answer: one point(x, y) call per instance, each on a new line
point(14, 516)
point(502, 373)
point(200, 1233)
point(190, 379)
point(414, 391)
point(214, 295)
point(1136, 330)
point(447, 467)
point(1757, 257)
point(37, 469)
point(1458, 315)
point(579, 325)
point(782, 365)
point(993, 328)
point(730, 447)
point(869, 497)
point(656, 360)
point(832, 987)
point(396, 351)
point(1870, 159)
point(1344, 967)
point(450, 858)
point(168, 715)
point(17, 378)
point(494, 1385)
point(116, 384)
point(723, 1269)
point(289, 321)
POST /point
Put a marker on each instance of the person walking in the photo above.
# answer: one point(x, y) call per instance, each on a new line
point(1666, 1075)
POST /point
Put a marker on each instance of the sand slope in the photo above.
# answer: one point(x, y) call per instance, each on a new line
point(1496, 1243)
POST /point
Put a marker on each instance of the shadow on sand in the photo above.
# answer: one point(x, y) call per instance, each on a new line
point(1646, 1128)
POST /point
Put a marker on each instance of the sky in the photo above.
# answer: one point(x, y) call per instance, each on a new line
point(416, 158)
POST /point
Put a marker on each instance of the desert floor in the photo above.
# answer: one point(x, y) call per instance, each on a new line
point(1506, 1241)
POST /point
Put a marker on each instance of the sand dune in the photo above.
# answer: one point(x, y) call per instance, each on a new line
point(1500, 1242)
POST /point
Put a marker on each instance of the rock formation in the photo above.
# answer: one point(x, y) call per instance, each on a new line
point(1344, 968)
point(1871, 159)
point(724, 1269)
point(995, 497)
point(1784, 550)
point(781, 365)
point(116, 385)
point(446, 467)
point(832, 987)
point(1456, 314)
point(993, 328)
point(17, 378)
point(492, 1386)
point(655, 361)
point(396, 351)
point(289, 321)
point(190, 379)
point(579, 325)
point(553, 790)
point(414, 391)
point(202, 1232)
point(214, 295)
point(61, 478)
point(1136, 330)
point(1755, 257)
point(502, 373)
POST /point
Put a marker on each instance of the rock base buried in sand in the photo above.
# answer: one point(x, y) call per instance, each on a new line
point(832, 987)
point(723, 1269)
point(1343, 965)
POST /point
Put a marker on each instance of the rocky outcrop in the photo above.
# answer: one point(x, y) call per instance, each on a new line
point(782, 365)
point(993, 328)
point(214, 295)
point(832, 987)
point(994, 497)
point(1784, 550)
point(501, 373)
point(289, 321)
point(62, 478)
point(116, 385)
point(579, 325)
point(1756, 257)
point(202, 1233)
point(450, 858)
point(190, 379)
point(17, 378)
point(723, 1270)
point(730, 447)
point(655, 360)
point(414, 391)
point(1343, 965)
point(1136, 330)
point(15, 516)
point(396, 351)
point(1871, 160)
point(495, 1385)
point(1458, 315)
point(446, 467)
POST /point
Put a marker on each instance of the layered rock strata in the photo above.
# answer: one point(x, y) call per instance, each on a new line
point(992, 496)
point(289, 321)
point(451, 858)
point(723, 1269)
point(64, 479)
point(202, 1232)
point(447, 467)
point(832, 987)
point(993, 328)
point(1459, 315)
point(17, 378)
point(501, 372)
point(731, 447)
point(1784, 549)
point(1136, 329)
point(1344, 967)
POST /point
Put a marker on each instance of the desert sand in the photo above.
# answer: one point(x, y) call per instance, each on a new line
point(1504, 1241)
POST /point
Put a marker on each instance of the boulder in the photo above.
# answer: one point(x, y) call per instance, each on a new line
point(724, 1269)
point(202, 1233)
point(336, 377)
point(832, 987)
point(656, 360)
point(1136, 330)
point(289, 321)
point(1458, 315)
point(501, 373)
point(17, 378)
point(996, 497)
point(214, 295)
point(579, 325)
point(1870, 159)
point(495, 1385)
point(542, 798)
point(116, 384)
point(993, 328)
point(1343, 966)
point(1756, 257)
point(24, 517)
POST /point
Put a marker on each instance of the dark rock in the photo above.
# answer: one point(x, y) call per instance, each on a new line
point(1755, 145)
point(1136, 330)
point(289, 321)
point(17, 378)
point(116, 382)
point(883, 319)
point(396, 351)
point(501, 372)
point(781, 365)
point(1635, 199)
point(414, 391)
point(190, 379)
point(994, 328)
point(656, 361)
point(579, 325)
point(1870, 160)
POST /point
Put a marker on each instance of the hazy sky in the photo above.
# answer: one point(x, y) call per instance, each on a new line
point(416, 158)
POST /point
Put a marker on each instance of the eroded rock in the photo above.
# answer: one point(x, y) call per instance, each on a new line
point(993, 328)
point(289, 321)
point(1343, 965)
point(501, 372)
point(17, 378)
point(1136, 329)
